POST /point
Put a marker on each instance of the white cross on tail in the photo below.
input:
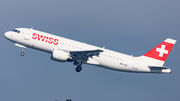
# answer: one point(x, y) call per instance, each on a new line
point(162, 50)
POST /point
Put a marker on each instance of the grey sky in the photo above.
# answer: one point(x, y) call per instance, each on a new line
point(127, 26)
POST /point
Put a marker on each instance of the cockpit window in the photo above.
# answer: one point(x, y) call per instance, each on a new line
point(16, 31)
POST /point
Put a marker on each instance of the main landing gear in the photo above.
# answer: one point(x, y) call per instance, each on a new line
point(78, 68)
point(78, 63)
point(22, 53)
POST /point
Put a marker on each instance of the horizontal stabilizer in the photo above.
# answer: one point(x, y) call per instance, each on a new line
point(158, 67)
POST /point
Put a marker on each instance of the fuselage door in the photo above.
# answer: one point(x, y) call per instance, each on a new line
point(27, 35)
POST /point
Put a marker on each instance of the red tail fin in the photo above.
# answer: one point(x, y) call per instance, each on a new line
point(161, 51)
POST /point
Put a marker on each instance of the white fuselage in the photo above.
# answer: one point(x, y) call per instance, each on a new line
point(108, 59)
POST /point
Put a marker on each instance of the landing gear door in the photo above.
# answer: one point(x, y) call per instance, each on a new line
point(27, 35)
point(136, 62)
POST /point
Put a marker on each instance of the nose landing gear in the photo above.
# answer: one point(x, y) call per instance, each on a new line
point(22, 53)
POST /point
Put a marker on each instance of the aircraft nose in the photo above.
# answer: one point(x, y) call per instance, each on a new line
point(10, 36)
point(7, 35)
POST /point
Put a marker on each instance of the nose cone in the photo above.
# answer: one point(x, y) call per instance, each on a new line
point(6, 35)
point(9, 35)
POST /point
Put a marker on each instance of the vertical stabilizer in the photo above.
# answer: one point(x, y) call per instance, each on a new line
point(160, 53)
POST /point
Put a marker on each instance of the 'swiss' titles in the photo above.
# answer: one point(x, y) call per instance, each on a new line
point(46, 39)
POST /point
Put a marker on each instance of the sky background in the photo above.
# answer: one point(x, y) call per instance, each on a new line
point(132, 27)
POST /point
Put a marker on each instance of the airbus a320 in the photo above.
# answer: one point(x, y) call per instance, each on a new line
point(67, 50)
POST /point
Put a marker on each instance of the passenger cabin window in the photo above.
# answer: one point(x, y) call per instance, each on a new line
point(17, 31)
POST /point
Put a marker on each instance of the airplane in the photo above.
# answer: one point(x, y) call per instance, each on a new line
point(67, 50)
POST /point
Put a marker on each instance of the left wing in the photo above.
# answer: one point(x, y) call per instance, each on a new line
point(88, 53)
point(85, 56)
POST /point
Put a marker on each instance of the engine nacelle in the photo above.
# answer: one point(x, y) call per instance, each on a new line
point(59, 56)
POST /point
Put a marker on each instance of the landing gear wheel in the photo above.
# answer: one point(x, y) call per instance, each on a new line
point(78, 68)
point(22, 54)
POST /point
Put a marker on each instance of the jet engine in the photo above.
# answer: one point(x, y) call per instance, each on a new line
point(59, 56)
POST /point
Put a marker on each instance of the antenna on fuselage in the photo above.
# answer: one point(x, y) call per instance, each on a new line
point(31, 27)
